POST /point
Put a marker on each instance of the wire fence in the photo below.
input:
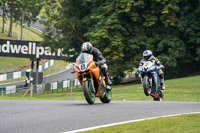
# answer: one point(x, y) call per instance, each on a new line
point(50, 83)
point(41, 89)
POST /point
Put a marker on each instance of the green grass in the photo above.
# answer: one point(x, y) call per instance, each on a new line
point(7, 63)
point(27, 35)
point(3, 36)
point(10, 62)
point(60, 94)
point(176, 124)
point(58, 66)
point(181, 89)
point(13, 80)
point(33, 29)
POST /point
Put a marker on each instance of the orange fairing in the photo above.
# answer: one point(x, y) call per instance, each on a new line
point(83, 63)
point(86, 68)
point(96, 73)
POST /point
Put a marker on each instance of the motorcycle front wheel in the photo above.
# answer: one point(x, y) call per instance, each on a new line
point(146, 86)
point(89, 95)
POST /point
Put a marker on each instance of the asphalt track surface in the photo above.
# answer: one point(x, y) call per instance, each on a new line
point(56, 116)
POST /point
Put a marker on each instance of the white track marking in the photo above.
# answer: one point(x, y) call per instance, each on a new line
point(119, 123)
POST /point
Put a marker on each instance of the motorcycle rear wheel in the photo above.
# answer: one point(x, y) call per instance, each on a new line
point(89, 96)
point(160, 97)
point(107, 97)
point(146, 88)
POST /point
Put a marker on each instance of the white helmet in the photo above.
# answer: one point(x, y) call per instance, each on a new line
point(147, 54)
point(86, 47)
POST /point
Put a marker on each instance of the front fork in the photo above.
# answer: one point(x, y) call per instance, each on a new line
point(157, 82)
point(92, 83)
point(155, 89)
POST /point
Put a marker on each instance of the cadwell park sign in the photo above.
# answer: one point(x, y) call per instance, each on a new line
point(29, 49)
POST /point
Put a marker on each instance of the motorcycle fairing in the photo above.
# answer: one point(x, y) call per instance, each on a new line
point(155, 89)
point(149, 69)
point(85, 67)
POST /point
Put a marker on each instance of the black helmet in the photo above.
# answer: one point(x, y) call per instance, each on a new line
point(147, 54)
point(86, 47)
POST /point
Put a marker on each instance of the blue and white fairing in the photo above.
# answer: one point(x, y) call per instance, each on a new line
point(151, 70)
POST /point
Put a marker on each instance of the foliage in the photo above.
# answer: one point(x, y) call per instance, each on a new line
point(123, 29)
point(16, 9)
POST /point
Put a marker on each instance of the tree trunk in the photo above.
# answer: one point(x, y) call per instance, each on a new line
point(22, 22)
point(3, 18)
point(11, 19)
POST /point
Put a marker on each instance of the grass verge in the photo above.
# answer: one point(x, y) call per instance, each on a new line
point(181, 89)
point(27, 35)
point(7, 63)
point(56, 67)
point(176, 124)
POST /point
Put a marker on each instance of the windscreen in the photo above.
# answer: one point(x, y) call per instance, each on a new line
point(83, 58)
point(148, 63)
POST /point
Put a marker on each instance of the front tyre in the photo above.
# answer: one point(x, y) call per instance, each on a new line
point(146, 86)
point(89, 96)
point(107, 97)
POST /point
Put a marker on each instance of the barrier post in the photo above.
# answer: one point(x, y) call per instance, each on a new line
point(71, 88)
point(31, 92)
point(30, 89)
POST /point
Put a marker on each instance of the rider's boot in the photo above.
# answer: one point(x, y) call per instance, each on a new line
point(162, 85)
point(107, 80)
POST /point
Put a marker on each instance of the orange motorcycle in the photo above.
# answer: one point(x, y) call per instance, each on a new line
point(91, 79)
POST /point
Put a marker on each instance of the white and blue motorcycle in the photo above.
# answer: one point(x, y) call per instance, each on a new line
point(151, 81)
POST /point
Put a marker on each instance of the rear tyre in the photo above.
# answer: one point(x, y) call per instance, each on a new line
point(160, 97)
point(146, 85)
point(107, 97)
point(89, 96)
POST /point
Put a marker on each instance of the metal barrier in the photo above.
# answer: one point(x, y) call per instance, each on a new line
point(40, 89)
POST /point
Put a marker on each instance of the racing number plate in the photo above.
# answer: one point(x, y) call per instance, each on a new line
point(82, 67)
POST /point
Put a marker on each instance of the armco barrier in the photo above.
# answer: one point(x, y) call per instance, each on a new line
point(47, 86)
point(10, 89)
point(19, 74)
point(61, 84)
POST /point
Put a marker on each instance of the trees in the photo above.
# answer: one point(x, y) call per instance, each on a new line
point(28, 11)
point(4, 12)
point(123, 29)
point(12, 4)
point(23, 11)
